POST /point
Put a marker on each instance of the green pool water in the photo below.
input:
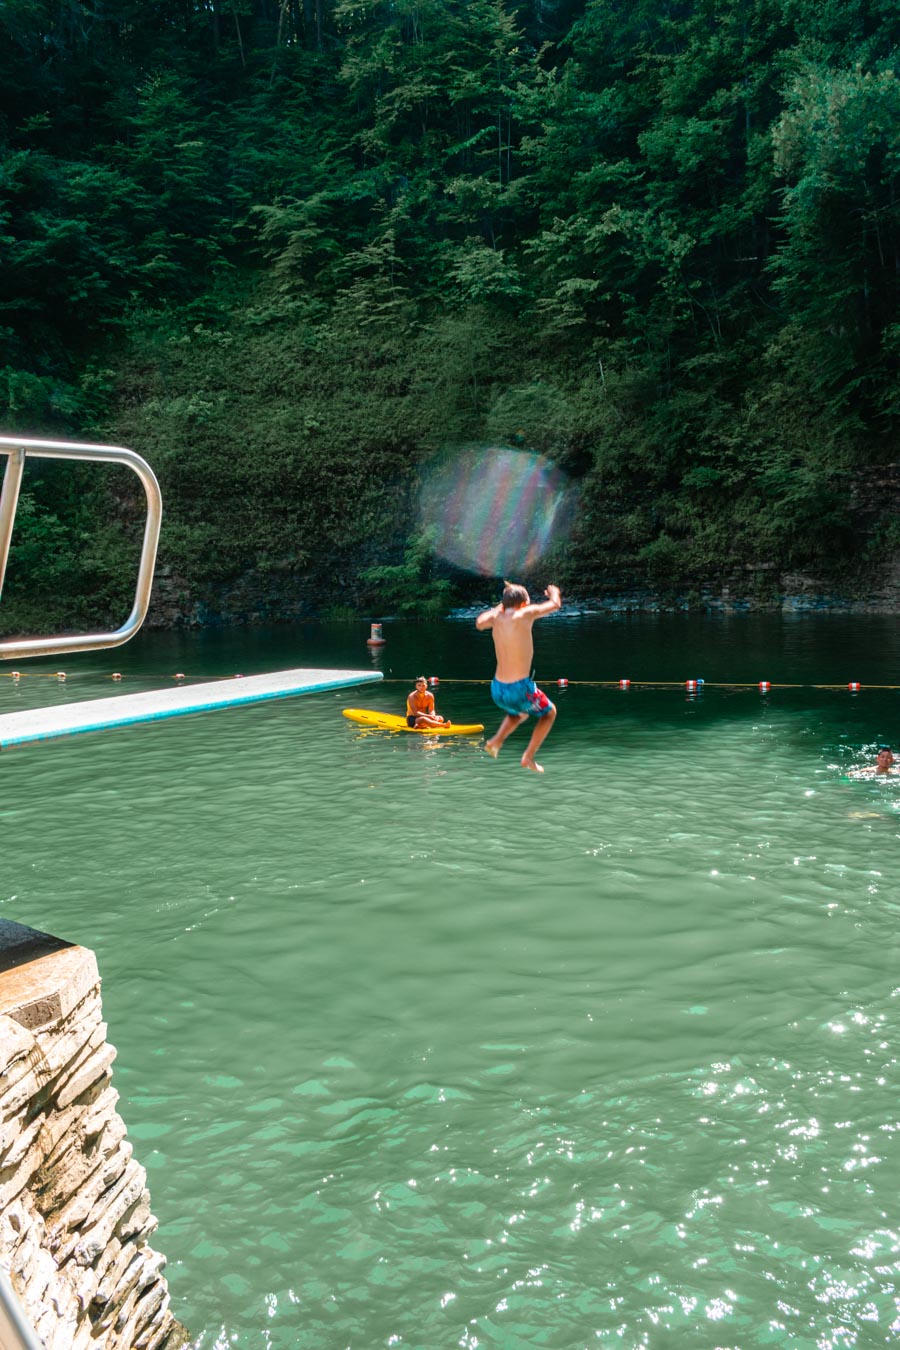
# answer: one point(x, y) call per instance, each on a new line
point(422, 1050)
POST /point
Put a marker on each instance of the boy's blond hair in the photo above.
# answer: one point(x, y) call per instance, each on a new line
point(514, 596)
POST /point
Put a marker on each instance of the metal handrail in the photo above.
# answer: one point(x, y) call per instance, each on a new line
point(17, 447)
point(16, 1333)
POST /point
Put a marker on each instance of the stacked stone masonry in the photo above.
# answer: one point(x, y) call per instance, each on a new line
point(75, 1217)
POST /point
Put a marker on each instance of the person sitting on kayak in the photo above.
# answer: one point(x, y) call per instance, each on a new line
point(420, 707)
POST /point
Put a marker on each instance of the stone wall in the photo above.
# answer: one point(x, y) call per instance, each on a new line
point(74, 1206)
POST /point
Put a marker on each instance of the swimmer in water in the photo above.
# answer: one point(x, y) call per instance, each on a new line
point(884, 766)
point(512, 689)
point(885, 759)
point(420, 707)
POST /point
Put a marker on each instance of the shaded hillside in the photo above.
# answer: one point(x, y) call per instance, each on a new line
point(289, 252)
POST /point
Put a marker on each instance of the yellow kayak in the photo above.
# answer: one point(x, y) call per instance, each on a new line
point(380, 721)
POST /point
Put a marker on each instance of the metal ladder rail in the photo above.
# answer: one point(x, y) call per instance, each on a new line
point(17, 448)
point(16, 1333)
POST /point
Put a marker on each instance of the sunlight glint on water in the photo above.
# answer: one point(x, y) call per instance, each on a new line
point(420, 1050)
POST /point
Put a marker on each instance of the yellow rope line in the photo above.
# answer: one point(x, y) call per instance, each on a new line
point(669, 684)
point(588, 684)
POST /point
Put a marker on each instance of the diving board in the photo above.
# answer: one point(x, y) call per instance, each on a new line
point(68, 719)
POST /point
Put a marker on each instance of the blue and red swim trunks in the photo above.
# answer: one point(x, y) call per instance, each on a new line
point(522, 696)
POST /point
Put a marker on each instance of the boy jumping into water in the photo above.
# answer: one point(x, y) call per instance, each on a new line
point(512, 689)
point(420, 707)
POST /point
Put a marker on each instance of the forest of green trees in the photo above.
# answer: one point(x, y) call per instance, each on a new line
point(290, 250)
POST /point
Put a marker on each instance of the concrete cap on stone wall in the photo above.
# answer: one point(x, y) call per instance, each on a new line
point(42, 977)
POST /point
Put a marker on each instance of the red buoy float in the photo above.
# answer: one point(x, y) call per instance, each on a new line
point(563, 683)
point(854, 686)
point(764, 686)
point(624, 684)
point(375, 639)
point(433, 681)
point(116, 675)
point(692, 684)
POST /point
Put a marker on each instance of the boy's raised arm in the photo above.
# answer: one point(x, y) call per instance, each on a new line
point(486, 618)
point(548, 606)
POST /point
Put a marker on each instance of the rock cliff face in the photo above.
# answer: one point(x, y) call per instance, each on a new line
point(250, 600)
point(74, 1206)
point(871, 585)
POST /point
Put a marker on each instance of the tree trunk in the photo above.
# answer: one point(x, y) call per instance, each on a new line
point(237, 29)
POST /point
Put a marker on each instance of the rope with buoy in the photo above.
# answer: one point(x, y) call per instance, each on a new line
point(694, 685)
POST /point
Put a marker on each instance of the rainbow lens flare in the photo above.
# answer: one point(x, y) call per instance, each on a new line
point(493, 510)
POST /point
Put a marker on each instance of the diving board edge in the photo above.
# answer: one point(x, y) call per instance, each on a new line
point(42, 724)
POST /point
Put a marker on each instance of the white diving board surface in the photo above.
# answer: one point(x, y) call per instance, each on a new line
point(67, 719)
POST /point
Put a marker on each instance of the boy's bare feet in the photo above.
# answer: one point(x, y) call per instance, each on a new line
point(492, 749)
point(529, 762)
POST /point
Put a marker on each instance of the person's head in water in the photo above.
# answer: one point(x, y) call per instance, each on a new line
point(514, 596)
point(885, 758)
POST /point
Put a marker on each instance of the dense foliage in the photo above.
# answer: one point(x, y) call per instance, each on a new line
point(289, 249)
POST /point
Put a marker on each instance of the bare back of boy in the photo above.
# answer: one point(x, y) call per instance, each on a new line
point(511, 630)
